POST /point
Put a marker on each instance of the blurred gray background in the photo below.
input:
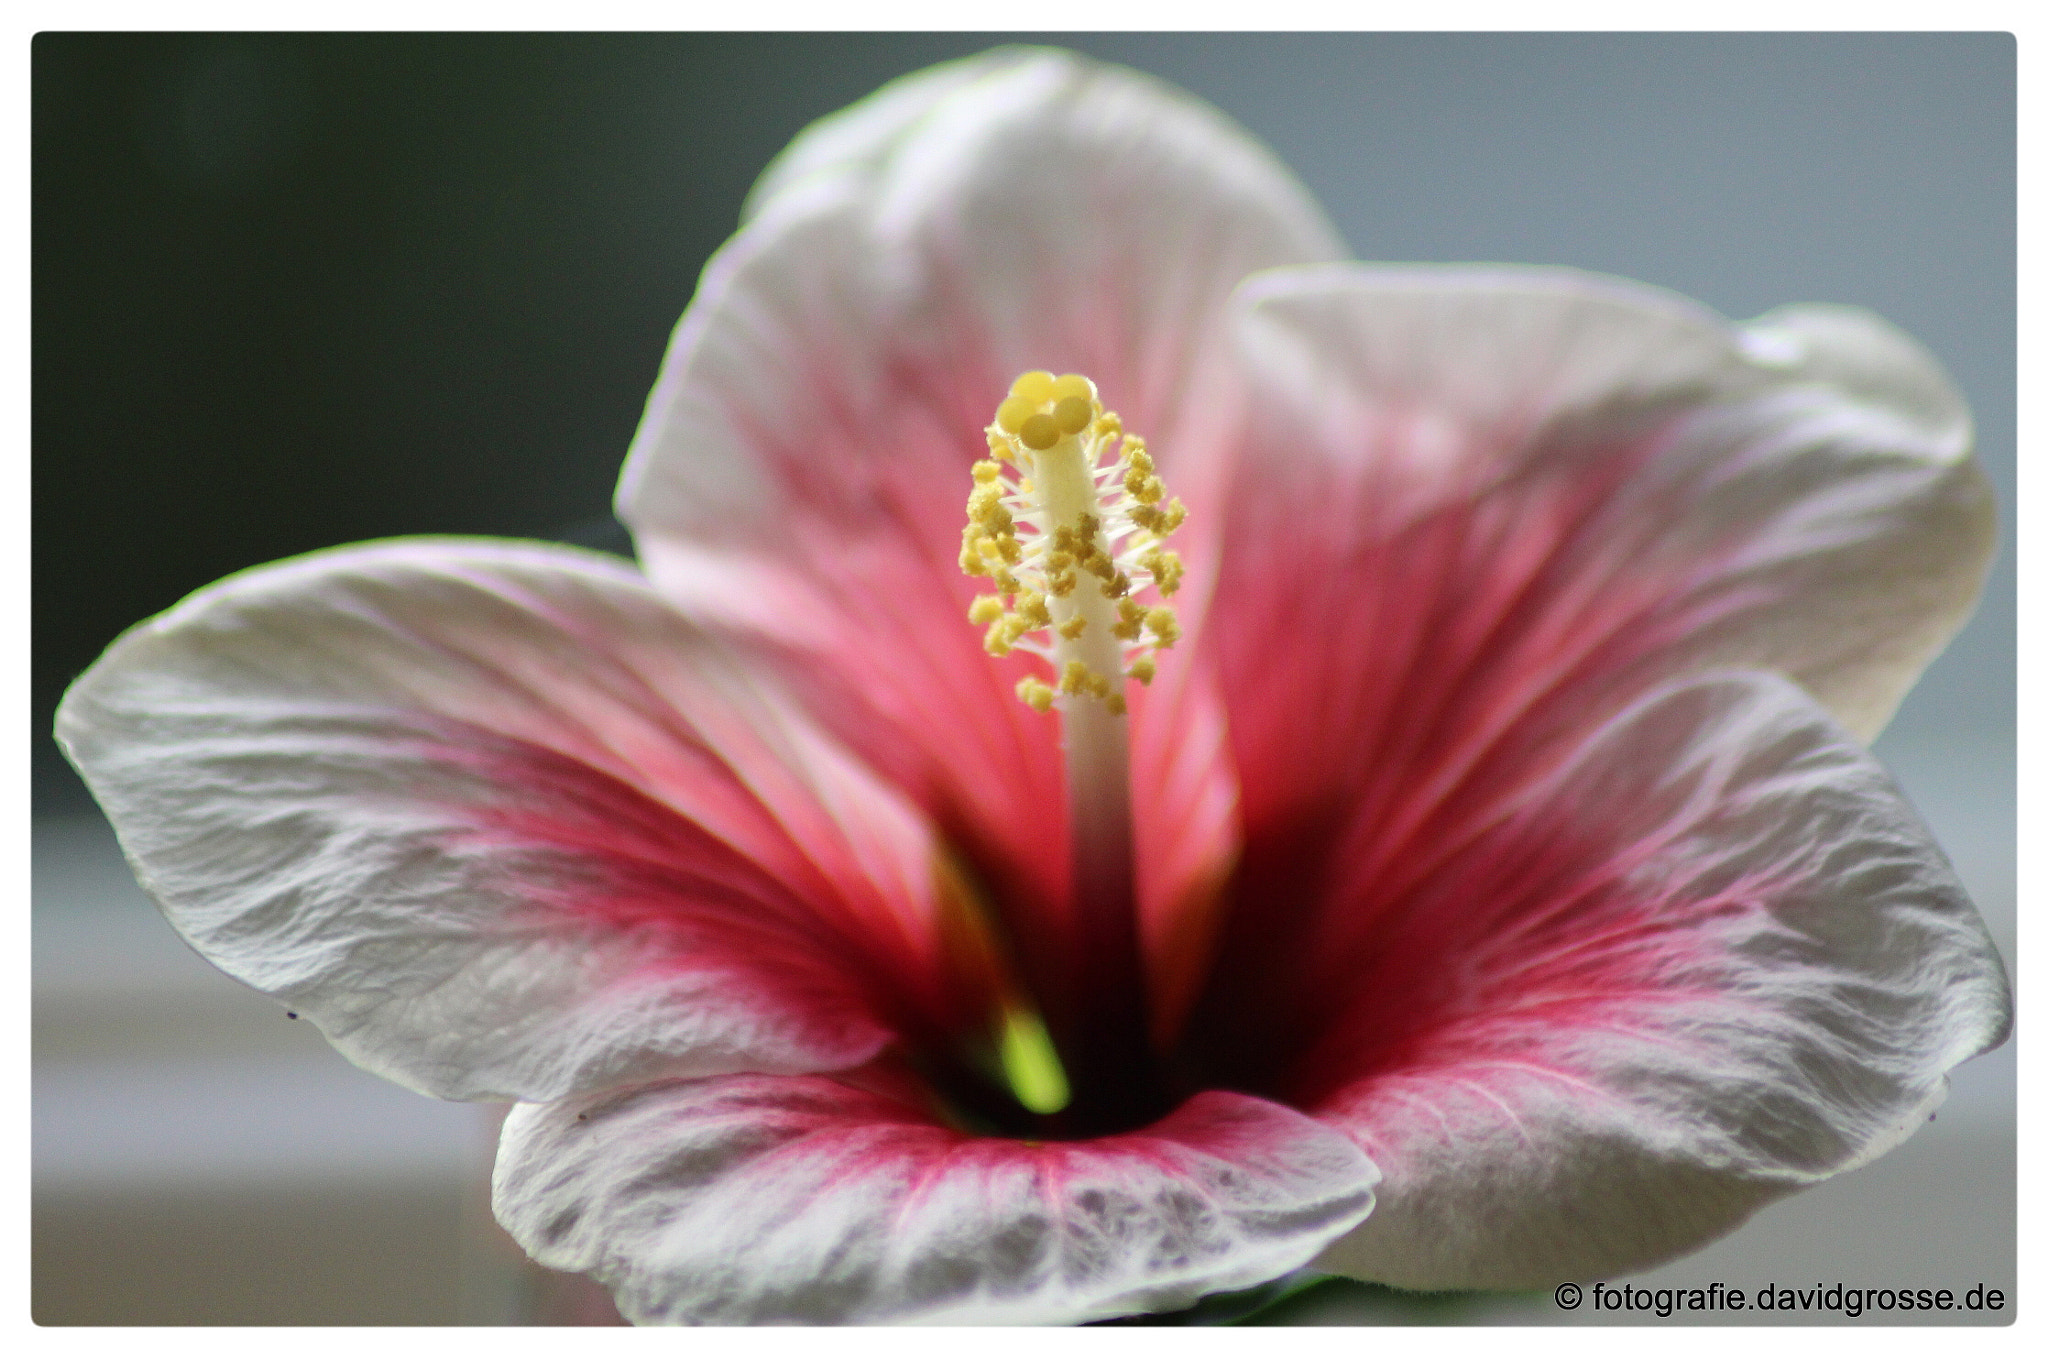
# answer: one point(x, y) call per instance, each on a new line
point(291, 291)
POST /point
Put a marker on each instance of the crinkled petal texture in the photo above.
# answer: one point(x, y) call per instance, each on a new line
point(802, 1199)
point(1713, 958)
point(504, 826)
point(802, 468)
point(1485, 520)
point(1482, 510)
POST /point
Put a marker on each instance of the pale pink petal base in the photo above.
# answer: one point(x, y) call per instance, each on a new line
point(1713, 959)
point(755, 1199)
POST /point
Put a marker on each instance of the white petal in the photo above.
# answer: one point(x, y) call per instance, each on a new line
point(499, 822)
point(1746, 967)
point(909, 257)
point(799, 1199)
point(1852, 350)
point(1803, 487)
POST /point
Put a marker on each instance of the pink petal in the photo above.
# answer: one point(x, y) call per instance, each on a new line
point(1797, 494)
point(779, 1199)
point(504, 826)
point(1711, 960)
point(1482, 510)
point(802, 470)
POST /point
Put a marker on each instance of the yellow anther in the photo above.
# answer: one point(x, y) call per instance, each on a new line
point(971, 538)
point(986, 471)
point(1165, 568)
point(985, 609)
point(1003, 633)
point(1176, 515)
point(1142, 669)
point(1039, 433)
point(1006, 583)
point(1073, 414)
point(1130, 619)
point(985, 505)
point(1073, 627)
point(1032, 612)
point(1036, 693)
point(1011, 414)
point(1061, 585)
point(1108, 425)
point(1164, 627)
point(1075, 678)
point(1034, 386)
point(1117, 586)
point(1116, 705)
point(1135, 454)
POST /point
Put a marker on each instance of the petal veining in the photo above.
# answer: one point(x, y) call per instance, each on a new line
point(804, 1199)
point(1713, 959)
point(1483, 510)
point(1800, 490)
point(503, 825)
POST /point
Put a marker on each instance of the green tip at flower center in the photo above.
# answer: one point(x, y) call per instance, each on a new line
point(1031, 1065)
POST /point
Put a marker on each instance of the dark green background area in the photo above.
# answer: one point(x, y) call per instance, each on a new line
point(291, 291)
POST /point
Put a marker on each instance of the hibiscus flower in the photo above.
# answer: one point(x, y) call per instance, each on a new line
point(1472, 876)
